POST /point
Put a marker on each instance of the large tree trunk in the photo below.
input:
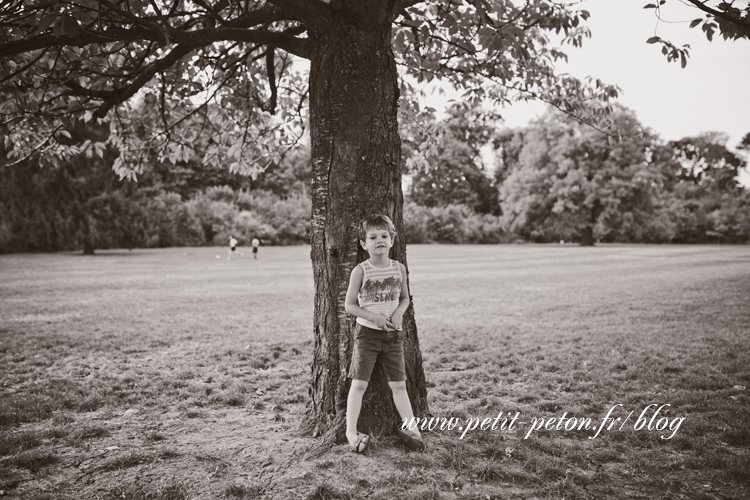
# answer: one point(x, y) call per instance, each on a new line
point(587, 236)
point(356, 171)
point(587, 231)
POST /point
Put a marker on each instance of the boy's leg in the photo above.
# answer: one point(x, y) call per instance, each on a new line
point(353, 407)
point(403, 405)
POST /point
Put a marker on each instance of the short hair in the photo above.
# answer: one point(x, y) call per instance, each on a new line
point(375, 221)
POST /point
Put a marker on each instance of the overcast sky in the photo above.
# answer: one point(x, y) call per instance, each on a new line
point(711, 94)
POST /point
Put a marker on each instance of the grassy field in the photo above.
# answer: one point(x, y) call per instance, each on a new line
point(170, 374)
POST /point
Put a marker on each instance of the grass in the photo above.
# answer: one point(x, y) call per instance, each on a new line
point(169, 374)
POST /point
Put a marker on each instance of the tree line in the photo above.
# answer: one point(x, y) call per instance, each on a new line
point(83, 204)
point(468, 181)
point(559, 179)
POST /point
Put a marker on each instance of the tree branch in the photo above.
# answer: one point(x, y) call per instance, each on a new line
point(36, 149)
point(721, 15)
point(297, 46)
point(405, 4)
point(264, 15)
point(16, 47)
point(152, 69)
point(314, 13)
point(271, 70)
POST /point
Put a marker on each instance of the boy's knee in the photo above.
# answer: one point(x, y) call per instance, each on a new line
point(398, 386)
point(358, 385)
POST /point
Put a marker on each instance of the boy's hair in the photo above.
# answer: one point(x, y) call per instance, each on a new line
point(376, 221)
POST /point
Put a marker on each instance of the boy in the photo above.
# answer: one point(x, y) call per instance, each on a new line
point(256, 244)
point(232, 246)
point(378, 296)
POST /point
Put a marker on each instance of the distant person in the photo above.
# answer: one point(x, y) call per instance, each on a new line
point(378, 296)
point(256, 244)
point(232, 247)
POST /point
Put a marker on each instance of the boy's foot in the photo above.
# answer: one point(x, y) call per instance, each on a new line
point(360, 443)
point(413, 440)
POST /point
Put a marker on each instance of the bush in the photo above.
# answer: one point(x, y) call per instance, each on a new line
point(170, 223)
point(279, 221)
point(451, 224)
point(215, 218)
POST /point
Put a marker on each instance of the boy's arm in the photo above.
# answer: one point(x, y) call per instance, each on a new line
point(351, 304)
point(403, 303)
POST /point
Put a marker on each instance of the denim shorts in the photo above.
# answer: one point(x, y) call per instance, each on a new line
point(369, 344)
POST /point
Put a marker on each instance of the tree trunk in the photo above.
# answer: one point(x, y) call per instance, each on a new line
point(356, 153)
point(587, 232)
point(587, 236)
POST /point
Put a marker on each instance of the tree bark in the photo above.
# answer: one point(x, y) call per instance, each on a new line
point(356, 153)
point(587, 236)
point(587, 231)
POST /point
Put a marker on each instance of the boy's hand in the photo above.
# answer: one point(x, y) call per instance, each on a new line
point(397, 319)
point(382, 322)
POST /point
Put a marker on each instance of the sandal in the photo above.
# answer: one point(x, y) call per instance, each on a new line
point(413, 442)
point(361, 444)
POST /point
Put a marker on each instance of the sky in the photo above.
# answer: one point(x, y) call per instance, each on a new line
point(711, 94)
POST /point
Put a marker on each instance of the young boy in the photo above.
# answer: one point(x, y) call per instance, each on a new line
point(232, 247)
point(378, 296)
point(256, 244)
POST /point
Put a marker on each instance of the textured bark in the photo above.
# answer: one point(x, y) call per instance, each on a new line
point(356, 171)
point(587, 236)
point(587, 231)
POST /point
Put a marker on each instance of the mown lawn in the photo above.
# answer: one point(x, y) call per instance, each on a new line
point(170, 374)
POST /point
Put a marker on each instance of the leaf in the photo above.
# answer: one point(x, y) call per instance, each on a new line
point(516, 30)
point(398, 42)
point(82, 16)
point(653, 39)
point(449, 21)
point(695, 23)
point(70, 26)
point(45, 23)
point(683, 60)
point(57, 29)
point(649, 6)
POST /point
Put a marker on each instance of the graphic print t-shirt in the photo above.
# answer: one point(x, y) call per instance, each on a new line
point(380, 291)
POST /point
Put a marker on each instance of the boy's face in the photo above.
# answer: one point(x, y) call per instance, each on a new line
point(377, 241)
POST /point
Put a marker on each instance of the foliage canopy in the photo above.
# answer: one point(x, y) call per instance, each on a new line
point(214, 80)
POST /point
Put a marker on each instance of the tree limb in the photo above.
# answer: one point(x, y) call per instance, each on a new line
point(314, 13)
point(152, 69)
point(297, 46)
point(264, 15)
point(405, 4)
point(271, 70)
point(84, 38)
point(37, 148)
point(721, 15)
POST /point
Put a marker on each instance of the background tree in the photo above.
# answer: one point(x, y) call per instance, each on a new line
point(213, 79)
point(454, 172)
point(569, 182)
point(82, 204)
point(708, 203)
